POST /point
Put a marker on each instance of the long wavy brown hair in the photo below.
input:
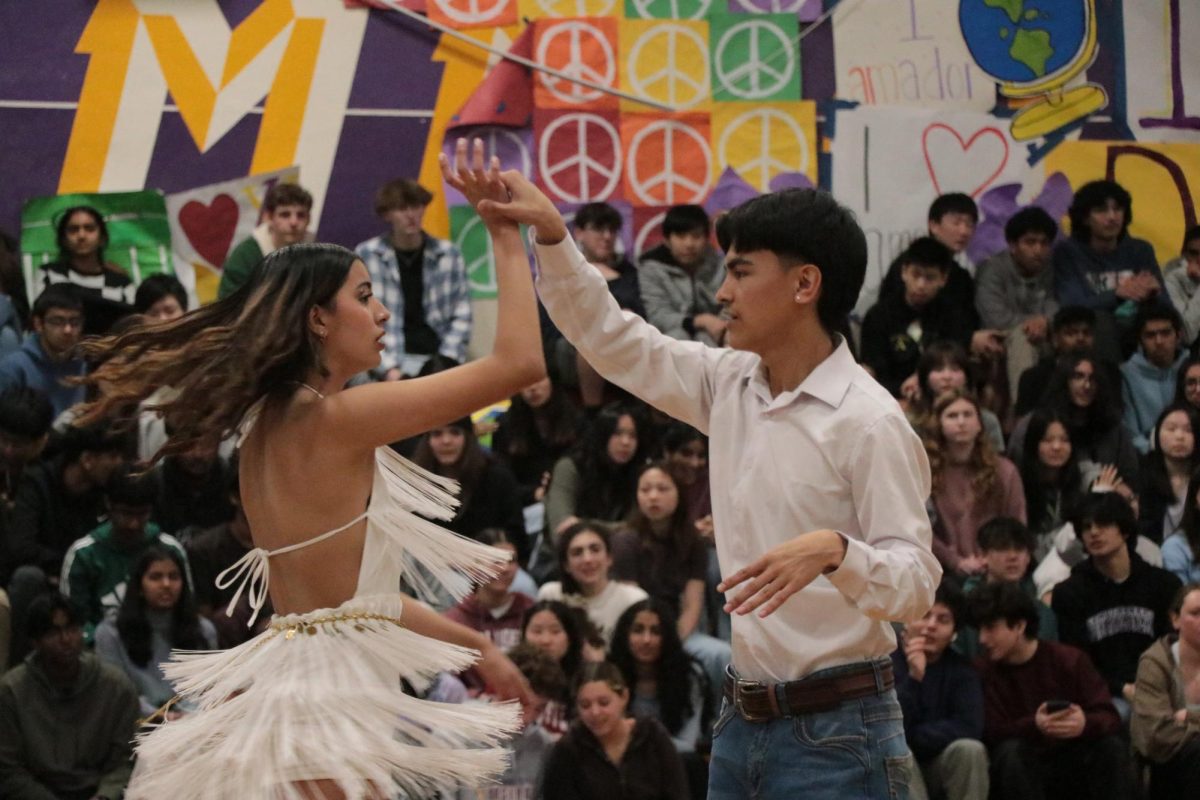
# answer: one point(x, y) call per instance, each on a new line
point(981, 464)
point(222, 358)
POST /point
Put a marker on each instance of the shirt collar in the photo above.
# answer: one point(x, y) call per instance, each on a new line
point(828, 383)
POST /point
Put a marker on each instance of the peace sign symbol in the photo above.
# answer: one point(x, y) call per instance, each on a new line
point(472, 11)
point(582, 39)
point(481, 268)
point(576, 8)
point(648, 230)
point(756, 135)
point(771, 6)
point(682, 80)
point(672, 9)
point(754, 77)
point(675, 173)
point(574, 177)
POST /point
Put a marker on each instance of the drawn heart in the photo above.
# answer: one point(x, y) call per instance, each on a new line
point(959, 164)
point(210, 228)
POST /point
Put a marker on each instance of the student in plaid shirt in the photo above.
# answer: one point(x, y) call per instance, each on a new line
point(421, 280)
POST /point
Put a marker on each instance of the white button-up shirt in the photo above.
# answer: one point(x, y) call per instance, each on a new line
point(836, 452)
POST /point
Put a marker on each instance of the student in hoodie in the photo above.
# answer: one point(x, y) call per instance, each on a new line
point(1183, 283)
point(67, 719)
point(1104, 268)
point(942, 700)
point(1114, 605)
point(1165, 727)
point(48, 355)
point(97, 567)
point(679, 279)
point(896, 329)
point(286, 212)
point(1149, 376)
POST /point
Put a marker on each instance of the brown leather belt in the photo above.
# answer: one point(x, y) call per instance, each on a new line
point(762, 702)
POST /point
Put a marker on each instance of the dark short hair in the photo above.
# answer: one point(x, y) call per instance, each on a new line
point(1157, 313)
point(1094, 195)
point(926, 251)
point(155, 288)
point(287, 194)
point(599, 671)
point(129, 488)
point(598, 215)
point(39, 616)
point(1190, 235)
point(1031, 219)
point(685, 219)
point(937, 355)
point(991, 602)
point(99, 437)
point(1176, 606)
point(1005, 533)
point(544, 674)
point(805, 226)
point(679, 434)
point(401, 193)
point(953, 203)
point(64, 218)
point(1073, 315)
point(1103, 508)
point(950, 594)
point(65, 296)
point(25, 413)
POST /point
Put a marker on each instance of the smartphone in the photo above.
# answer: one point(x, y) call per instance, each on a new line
point(1055, 706)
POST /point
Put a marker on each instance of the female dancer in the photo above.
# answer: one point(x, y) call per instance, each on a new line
point(313, 707)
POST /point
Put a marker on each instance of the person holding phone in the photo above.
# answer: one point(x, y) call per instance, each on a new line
point(1049, 721)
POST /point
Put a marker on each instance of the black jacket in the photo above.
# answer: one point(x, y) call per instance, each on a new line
point(887, 347)
point(578, 769)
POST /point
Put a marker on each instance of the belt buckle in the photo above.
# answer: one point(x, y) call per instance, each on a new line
point(742, 686)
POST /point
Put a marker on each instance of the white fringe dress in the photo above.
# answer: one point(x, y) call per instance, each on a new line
point(317, 696)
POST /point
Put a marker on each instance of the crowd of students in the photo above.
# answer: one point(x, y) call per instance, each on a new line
point(1052, 385)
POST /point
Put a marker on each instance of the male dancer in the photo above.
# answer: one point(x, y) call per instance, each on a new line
point(819, 485)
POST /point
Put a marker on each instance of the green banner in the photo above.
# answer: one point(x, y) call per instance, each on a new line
point(754, 57)
point(139, 237)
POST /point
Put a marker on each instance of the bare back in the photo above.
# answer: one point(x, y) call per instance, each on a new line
point(297, 482)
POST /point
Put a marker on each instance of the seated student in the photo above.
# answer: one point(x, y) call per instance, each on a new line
point(538, 429)
point(558, 631)
point(971, 483)
point(944, 366)
point(1015, 289)
point(161, 298)
point(1148, 378)
point(1187, 384)
point(1007, 547)
point(597, 229)
point(1104, 268)
point(668, 684)
point(585, 562)
point(494, 608)
point(190, 489)
point(608, 755)
point(1050, 475)
point(1072, 331)
point(670, 561)
point(679, 279)
point(942, 700)
point(67, 719)
point(1049, 721)
point(82, 236)
point(1114, 605)
point(1182, 279)
point(532, 744)
point(597, 479)
point(1165, 472)
point(25, 419)
point(96, 568)
point(48, 356)
point(1181, 550)
point(157, 615)
point(896, 329)
point(487, 492)
point(286, 211)
point(1165, 726)
point(1079, 393)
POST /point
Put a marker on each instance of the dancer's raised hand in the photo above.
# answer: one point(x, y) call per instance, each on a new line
point(479, 182)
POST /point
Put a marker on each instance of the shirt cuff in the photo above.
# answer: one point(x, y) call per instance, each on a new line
point(556, 262)
point(850, 578)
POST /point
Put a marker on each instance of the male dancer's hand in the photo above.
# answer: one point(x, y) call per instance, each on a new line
point(783, 571)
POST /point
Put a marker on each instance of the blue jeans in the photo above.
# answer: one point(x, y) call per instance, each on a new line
point(852, 752)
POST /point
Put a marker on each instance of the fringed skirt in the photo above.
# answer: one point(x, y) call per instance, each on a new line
point(318, 696)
